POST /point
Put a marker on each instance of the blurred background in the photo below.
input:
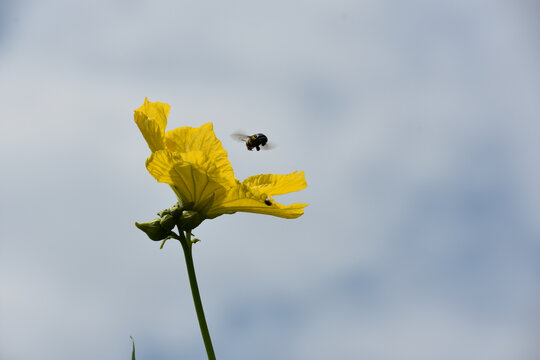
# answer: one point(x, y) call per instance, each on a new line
point(417, 124)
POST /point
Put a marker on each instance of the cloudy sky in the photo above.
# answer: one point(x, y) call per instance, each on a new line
point(417, 124)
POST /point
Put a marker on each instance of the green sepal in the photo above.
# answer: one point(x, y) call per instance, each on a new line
point(175, 211)
point(190, 219)
point(167, 222)
point(162, 213)
point(154, 230)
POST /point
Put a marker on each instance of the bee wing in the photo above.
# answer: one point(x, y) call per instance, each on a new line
point(240, 137)
point(269, 146)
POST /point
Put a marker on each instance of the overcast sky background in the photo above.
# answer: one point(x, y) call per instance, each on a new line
point(417, 124)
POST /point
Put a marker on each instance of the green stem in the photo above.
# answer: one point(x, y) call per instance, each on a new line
point(186, 245)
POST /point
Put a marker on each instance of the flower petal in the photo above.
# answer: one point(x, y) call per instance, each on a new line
point(271, 184)
point(242, 198)
point(253, 206)
point(151, 118)
point(202, 141)
point(192, 181)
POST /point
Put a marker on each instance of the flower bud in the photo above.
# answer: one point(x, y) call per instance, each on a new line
point(167, 222)
point(154, 230)
point(175, 210)
point(190, 220)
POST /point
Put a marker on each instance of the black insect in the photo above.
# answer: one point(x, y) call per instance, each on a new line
point(268, 202)
point(253, 141)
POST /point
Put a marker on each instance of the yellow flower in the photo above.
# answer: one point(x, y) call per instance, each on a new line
point(194, 163)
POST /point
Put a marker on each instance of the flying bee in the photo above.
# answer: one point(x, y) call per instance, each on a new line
point(253, 141)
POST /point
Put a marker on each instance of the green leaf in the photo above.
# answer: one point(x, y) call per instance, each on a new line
point(133, 352)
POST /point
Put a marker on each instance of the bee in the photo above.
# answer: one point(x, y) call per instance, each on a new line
point(253, 141)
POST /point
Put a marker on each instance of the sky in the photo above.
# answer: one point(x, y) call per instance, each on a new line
point(416, 125)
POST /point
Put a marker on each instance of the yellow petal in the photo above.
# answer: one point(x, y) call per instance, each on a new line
point(194, 182)
point(151, 118)
point(206, 149)
point(271, 184)
point(253, 206)
point(241, 198)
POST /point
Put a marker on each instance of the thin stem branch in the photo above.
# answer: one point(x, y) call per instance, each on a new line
point(186, 245)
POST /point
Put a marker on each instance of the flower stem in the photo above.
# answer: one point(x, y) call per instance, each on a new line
point(186, 245)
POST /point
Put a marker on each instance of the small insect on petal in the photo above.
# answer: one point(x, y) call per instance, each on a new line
point(268, 202)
